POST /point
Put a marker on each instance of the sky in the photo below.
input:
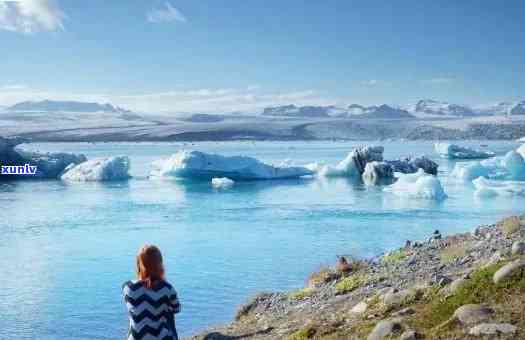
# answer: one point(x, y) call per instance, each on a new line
point(243, 55)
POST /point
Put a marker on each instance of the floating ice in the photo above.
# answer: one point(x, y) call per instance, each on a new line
point(514, 163)
point(355, 162)
point(452, 151)
point(200, 165)
point(49, 165)
point(521, 150)
point(470, 171)
point(98, 169)
point(521, 140)
point(222, 183)
point(490, 188)
point(417, 185)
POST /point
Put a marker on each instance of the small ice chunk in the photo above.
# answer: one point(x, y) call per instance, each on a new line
point(489, 188)
point(222, 183)
point(200, 165)
point(98, 169)
point(514, 163)
point(453, 151)
point(470, 171)
point(417, 185)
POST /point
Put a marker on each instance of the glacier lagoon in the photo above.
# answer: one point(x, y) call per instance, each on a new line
point(67, 247)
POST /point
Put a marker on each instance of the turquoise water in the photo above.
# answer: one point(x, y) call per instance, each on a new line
point(65, 249)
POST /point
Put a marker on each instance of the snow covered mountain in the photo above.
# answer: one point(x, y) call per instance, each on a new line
point(518, 109)
point(65, 106)
point(435, 107)
point(498, 109)
point(301, 111)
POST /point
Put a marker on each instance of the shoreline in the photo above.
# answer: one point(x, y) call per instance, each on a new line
point(415, 289)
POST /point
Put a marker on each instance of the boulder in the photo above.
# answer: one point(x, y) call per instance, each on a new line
point(509, 270)
point(518, 248)
point(473, 314)
point(385, 328)
point(492, 329)
point(410, 335)
point(360, 308)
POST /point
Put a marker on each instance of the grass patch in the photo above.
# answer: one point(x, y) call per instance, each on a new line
point(300, 294)
point(303, 334)
point(350, 283)
point(478, 289)
point(395, 256)
point(322, 276)
point(452, 253)
point(510, 225)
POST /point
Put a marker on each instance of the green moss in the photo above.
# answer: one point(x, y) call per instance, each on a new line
point(303, 334)
point(478, 289)
point(300, 294)
point(350, 283)
point(395, 256)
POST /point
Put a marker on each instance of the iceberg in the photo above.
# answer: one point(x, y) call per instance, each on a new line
point(222, 183)
point(470, 171)
point(521, 150)
point(417, 185)
point(452, 151)
point(200, 165)
point(49, 165)
point(98, 169)
point(490, 188)
point(514, 163)
point(355, 162)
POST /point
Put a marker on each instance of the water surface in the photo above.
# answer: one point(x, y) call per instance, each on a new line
point(67, 248)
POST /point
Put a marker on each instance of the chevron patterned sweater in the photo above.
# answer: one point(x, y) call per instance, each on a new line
point(150, 310)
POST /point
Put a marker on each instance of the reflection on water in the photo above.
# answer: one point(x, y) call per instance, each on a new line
point(66, 248)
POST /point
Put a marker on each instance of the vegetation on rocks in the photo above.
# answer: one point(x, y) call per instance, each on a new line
point(423, 289)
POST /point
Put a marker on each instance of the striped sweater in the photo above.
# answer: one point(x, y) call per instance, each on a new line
point(150, 310)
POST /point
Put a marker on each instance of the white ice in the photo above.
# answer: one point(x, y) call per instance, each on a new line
point(196, 164)
point(345, 168)
point(490, 188)
point(417, 185)
point(470, 171)
point(222, 182)
point(98, 169)
point(452, 151)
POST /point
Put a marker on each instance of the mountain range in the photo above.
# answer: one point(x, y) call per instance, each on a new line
point(65, 106)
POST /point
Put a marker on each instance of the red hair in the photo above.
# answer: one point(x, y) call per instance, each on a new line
point(150, 269)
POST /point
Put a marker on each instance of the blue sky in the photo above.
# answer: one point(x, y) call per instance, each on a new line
point(190, 55)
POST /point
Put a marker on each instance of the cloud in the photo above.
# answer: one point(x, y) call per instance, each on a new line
point(439, 80)
point(375, 82)
point(250, 99)
point(166, 13)
point(30, 16)
point(12, 87)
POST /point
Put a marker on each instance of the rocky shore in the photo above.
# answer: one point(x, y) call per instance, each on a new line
point(463, 286)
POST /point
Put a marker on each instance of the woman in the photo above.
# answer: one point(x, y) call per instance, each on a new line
point(150, 300)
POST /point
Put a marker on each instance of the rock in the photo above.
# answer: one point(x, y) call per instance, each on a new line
point(385, 328)
point(508, 270)
point(472, 314)
point(518, 248)
point(395, 298)
point(360, 308)
point(495, 258)
point(410, 335)
point(442, 280)
point(404, 312)
point(492, 329)
point(456, 284)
